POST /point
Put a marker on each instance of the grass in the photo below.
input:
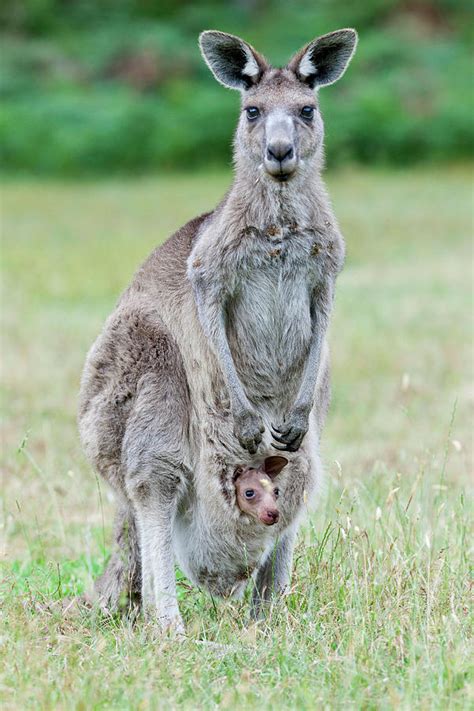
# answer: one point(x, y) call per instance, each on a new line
point(379, 614)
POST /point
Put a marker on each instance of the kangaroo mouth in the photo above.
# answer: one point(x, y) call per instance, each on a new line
point(281, 176)
point(281, 171)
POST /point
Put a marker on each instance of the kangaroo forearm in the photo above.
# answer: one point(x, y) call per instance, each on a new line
point(212, 319)
point(305, 395)
point(238, 398)
point(320, 324)
point(211, 308)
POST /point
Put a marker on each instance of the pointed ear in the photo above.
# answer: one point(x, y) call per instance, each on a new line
point(324, 60)
point(233, 62)
point(237, 472)
point(272, 466)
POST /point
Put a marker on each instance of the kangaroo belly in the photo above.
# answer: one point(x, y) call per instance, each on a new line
point(216, 546)
point(215, 560)
point(269, 332)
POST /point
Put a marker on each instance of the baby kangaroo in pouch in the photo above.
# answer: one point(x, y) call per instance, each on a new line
point(256, 492)
point(216, 356)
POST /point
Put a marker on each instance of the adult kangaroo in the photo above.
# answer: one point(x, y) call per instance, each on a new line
point(215, 355)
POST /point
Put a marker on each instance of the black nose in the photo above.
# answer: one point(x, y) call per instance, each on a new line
point(280, 152)
point(274, 515)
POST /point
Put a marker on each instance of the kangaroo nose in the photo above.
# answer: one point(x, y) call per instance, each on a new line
point(280, 151)
point(274, 515)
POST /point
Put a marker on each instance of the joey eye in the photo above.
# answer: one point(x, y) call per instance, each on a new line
point(307, 112)
point(252, 113)
point(249, 493)
point(276, 492)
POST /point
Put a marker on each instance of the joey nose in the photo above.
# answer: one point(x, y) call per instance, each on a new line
point(280, 151)
point(270, 517)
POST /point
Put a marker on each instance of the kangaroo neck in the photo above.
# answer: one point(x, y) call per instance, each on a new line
point(258, 199)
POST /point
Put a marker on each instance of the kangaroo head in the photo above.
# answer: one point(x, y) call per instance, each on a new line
point(256, 492)
point(280, 127)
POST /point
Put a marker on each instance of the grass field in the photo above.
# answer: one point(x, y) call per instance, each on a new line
point(379, 615)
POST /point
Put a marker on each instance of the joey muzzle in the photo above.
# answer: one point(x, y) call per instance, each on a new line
point(269, 517)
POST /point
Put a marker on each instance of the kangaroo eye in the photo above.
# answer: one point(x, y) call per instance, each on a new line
point(276, 492)
point(252, 113)
point(249, 493)
point(307, 112)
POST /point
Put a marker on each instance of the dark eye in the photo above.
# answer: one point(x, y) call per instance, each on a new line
point(307, 112)
point(276, 492)
point(252, 113)
point(249, 493)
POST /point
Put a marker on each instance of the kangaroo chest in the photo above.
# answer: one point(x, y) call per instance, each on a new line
point(269, 328)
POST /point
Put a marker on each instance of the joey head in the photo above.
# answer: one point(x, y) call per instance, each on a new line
point(257, 492)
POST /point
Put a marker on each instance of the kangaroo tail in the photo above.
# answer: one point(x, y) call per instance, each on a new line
point(118, 589)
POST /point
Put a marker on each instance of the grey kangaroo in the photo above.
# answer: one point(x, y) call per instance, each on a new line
point(216, 354)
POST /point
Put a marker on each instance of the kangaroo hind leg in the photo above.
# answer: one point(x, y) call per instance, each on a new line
point(154, 453)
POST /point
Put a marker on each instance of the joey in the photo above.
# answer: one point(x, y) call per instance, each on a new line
point(257, 492)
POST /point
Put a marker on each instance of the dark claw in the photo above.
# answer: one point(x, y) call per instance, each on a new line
point(291, 445)
point(281, 449)
point(280, 439)
point(295, 444)
point(275, 429)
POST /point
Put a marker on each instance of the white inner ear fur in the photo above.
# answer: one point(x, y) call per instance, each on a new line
point(306, 66)
point(251, 68)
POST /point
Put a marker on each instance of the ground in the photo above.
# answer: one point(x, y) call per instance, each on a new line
point(378, 615)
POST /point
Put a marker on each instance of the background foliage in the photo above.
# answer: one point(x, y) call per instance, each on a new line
point(119, 86)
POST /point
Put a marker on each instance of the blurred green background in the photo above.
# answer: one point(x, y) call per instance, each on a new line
point(118, 86)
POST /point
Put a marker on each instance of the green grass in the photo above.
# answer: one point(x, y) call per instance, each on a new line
point(379, 612)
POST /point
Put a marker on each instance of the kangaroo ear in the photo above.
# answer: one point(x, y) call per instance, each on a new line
point(272, 466)
point(324, 60)
point(233, 62)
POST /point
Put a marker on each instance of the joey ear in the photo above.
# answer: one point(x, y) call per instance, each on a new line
point(237, 472)
point(272, 466)
point(324, 60)
point(233, 62)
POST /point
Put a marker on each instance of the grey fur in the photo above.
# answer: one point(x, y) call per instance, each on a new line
point(220, 334)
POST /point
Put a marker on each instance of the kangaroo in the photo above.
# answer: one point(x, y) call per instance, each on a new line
point(216, 353)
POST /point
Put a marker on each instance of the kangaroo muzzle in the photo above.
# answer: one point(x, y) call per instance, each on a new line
point(280, 160)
